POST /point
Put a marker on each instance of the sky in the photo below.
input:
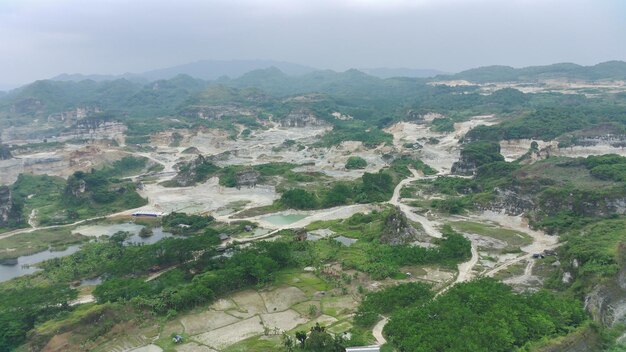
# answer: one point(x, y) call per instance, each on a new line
point(43, 38)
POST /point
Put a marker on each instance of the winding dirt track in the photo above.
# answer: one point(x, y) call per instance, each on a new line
point(377, 331)
point(541, 242)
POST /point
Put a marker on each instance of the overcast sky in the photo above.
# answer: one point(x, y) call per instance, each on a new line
point(43, 38)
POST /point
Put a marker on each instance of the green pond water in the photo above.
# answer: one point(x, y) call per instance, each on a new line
point(283, 219)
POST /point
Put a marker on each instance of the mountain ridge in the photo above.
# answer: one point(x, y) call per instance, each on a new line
point(614, 69)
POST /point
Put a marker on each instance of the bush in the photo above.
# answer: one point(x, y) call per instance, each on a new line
point(355, 162)
point(391, 299)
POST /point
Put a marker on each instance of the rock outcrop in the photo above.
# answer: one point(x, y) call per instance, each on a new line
point(397, 230)
point(464, 167)
point(191, 150)
point(513, 202)
point(301, 118)
point(475, 155)
point(247, 178)
point(198, 170)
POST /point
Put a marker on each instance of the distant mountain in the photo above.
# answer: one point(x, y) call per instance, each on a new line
point(386, 72)
point(214, 69)
point(274, 81)
point(607, 70)
point(205, 69)
point(77, 77)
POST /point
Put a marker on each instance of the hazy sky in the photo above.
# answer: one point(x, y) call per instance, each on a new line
point(42, 38)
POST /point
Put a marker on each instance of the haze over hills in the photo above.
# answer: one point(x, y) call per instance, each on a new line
point(387, 72)
point(215, 69)
point(497, 73)
point(257, 70)
point(203, 69)
point(363, 159)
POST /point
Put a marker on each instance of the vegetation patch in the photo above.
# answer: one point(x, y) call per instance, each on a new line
point(478, 305)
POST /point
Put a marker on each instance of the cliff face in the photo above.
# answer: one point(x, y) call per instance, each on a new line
point(6, 201)
point(10, 213)
point(584, 202)
point(301, 118)
point(464, 167)
point(247, 178)
point(607, 301)
point(512, 201)
point(216, 112)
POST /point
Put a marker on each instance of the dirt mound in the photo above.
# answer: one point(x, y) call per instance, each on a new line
point(191, 150)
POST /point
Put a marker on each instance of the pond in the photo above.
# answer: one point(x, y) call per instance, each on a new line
point(346, 241)
point(8, 272)
point(157, 235)
point(284, 219)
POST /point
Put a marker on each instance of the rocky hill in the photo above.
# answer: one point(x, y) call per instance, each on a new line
point(398, 231)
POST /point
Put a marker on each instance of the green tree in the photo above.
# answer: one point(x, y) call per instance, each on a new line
point(356, 162)
point(298, 198)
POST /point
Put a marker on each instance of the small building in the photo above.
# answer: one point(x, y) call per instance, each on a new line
point(224, 237)
point(177, 339)
point(363, 349)
point(538, 256)
point(248, 228)
point(147, 214)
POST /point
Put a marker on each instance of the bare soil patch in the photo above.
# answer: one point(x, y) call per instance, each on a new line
point(285, 321)
point(230, 334)
point(249, 303)
point(206, 321)
point(282, 298)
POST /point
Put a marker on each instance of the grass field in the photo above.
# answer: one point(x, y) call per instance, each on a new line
point(514, 239)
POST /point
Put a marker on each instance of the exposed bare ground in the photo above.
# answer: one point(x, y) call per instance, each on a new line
point(442, 155)
point(428, 226)
point(377, 331)
point(465, 269)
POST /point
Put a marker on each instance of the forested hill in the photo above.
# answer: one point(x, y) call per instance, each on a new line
point(614, 70)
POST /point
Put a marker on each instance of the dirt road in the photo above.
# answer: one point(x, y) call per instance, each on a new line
point(377, 331)
point(428, 225)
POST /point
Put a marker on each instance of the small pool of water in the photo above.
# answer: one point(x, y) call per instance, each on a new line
point(157, 235)
point(8, 272)
point(346, 241)
point(313, 237)
point(284, 219)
